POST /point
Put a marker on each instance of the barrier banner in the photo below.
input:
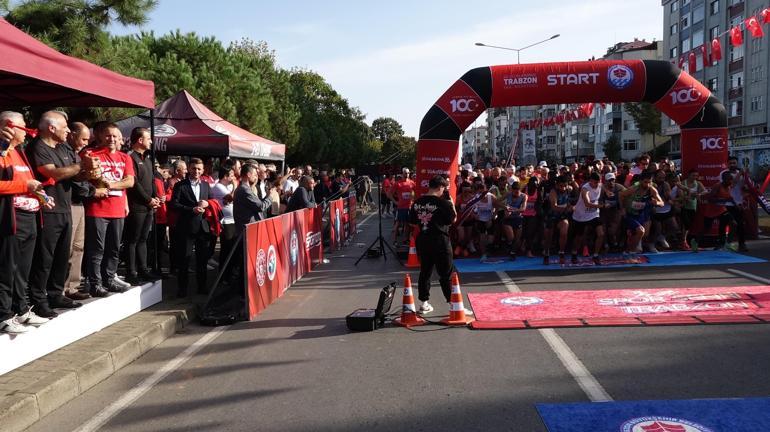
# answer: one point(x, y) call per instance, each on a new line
point(706, 151)
point(278, 252)
point(352, 204)
point(337, 234)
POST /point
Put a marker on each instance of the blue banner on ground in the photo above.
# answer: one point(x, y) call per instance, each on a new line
point(698, 415)
point(664, 259)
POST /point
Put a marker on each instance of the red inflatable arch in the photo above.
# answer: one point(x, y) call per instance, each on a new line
point(701, 116)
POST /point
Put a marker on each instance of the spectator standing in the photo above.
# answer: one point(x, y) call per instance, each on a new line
point(105, 216)
point(248, 206)
point(303, 196)
point(142, 202)
point(189, 201)
point(323, 190)
point(223, 192)
point(16, 182)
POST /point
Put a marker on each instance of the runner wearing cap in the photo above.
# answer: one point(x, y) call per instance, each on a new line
point(611, 213)
point(559, 212)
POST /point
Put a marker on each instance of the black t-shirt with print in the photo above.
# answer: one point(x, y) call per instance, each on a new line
point(432, 214)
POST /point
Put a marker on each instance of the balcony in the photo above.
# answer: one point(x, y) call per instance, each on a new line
point(735, 121)
point(735, 92)
point(735, 9)
point(736, 65)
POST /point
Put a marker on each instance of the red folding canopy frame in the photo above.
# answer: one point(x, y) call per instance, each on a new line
point(32, 73)
point(186, 127)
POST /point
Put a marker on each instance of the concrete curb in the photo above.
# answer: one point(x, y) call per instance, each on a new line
point(30, 392)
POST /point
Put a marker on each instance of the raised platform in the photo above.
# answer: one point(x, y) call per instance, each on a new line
point(75, 324)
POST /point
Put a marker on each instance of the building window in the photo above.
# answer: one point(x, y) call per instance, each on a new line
point(713, 84)
point(674, 52)
point(736, 80)
point(757, 74)
point(674, 6)
point(550, 140)
point(757, 103)
point(698, 14)
point(630, 145)
point(674, 28)
point(756, 45)
point(736, 53)
point(736, 108)
point(713, 32)
point(714, 7)
point(685, 2)
point(736, 21)
point(629, 125)
point(697, 38)
point(686, 45)
point(685, 21)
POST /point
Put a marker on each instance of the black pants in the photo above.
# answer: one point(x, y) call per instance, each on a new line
point(52, 255)
point(226, 239)
point(724, 220)
point(101, 254)
point(185, 242)
point(26, 236)
point(137, 232)
point(13, 296)
point(156, 251)
point(740, 231)
point(434, 251)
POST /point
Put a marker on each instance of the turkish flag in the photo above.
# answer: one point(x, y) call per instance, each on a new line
point(765, 15)
point(736, 36)
point(752, 24)
point(681, 62)
point(692, 63)
point(589, 109)
point(704, 51)
point(716, 50)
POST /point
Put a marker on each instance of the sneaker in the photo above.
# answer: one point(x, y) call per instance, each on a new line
point(12, 326)
point(546, 259)
point(425, 307)
point(483, 258)
point(684, 246)
point(31, 318)
point(115, 288)
point(562, 260)
point(98, 291)
point(597, 261)
point(742, 247)
point(664, 244)
point(512, 256)
point(694, 245)
point(574, 259)
point(651, 248)
point(119, 282)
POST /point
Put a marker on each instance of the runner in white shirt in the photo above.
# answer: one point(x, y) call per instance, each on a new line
point(586, 215)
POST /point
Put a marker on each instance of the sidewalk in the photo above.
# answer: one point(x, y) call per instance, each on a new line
point(32, 391)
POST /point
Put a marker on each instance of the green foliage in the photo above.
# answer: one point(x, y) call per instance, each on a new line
point(647, 118)
point(612, 148)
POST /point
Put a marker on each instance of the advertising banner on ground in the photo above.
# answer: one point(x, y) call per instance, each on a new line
point(279, 251)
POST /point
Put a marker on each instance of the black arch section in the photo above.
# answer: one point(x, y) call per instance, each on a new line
point(713, 115)
point(480, 80)
point(661, 76)
point(437, 125)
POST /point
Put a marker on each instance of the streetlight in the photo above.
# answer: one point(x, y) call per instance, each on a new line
point(518, 61)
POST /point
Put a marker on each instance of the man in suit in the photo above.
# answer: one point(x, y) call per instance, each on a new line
point(248, 205)
point(189, 200)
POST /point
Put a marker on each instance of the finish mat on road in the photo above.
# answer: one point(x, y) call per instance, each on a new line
point(628, 307)
point(664, 259)
point(699, 415)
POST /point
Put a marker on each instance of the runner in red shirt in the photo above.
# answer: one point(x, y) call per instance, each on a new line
point(105, 216)
point(403, 195)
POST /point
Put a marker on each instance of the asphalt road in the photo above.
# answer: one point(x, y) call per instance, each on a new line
point(297, 368)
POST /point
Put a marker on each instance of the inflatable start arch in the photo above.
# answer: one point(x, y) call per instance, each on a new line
point(701, 116)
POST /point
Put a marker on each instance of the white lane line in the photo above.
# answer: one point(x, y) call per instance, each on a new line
point(749, 276)
point(121, 404)
point(576, 368)
point(365, 219)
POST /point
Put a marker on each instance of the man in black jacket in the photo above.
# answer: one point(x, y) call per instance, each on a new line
point(303, 196)
point(142, 200)
point(190, 199)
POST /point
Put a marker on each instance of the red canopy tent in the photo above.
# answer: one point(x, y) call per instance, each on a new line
point(186, 127)
point(32, 73)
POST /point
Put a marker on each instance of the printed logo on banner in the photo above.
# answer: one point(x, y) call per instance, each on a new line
point(573, 79)
point(164, 131)
point(293, 248)
point(272, 263)
point(662, 424)
point(312, 239)
point(620, 76)
point(712, 143)
point(261, 267)
point(520, 81)
point(521, 301)
point(685, 96)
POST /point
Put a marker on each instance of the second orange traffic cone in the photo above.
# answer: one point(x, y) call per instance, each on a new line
point(408, 316)
point(456, 307)
point(413, 261)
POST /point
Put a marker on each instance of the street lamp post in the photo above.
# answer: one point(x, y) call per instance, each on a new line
point(518, 62)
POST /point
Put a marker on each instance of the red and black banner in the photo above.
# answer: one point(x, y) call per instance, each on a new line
point(678, 95)
point(279, 251)
point(342, 221)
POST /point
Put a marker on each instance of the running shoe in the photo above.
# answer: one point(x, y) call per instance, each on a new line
point(651, 248)
point(694, 245)
point(562, 260)
point(574, 259)
point(31, 318)
point(684, 246)
point(597, 261)
point(425, 307)
point(742, 247)
point(483, 258)
point(12, 326)
point(546, 259)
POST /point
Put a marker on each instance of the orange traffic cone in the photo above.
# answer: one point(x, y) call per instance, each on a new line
point(456, 308)
point(413, 261)
point(408, 316)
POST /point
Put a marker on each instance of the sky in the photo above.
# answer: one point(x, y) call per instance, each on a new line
point(395, 58)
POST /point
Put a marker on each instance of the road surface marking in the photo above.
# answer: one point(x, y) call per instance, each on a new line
point(571, 362)
point(750, 276)
point(131, 396)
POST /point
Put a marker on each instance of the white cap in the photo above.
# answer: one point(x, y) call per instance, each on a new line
point(405, 170)
point(468, 167)
point(609, 176)
point(542, 164)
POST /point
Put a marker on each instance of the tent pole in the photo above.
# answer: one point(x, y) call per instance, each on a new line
point(156, 258)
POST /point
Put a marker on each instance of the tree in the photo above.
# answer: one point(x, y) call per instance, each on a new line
point(76, 27)
point(612, 148)
point(647, 119)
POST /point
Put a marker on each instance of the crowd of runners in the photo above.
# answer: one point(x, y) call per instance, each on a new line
point(588, 209)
